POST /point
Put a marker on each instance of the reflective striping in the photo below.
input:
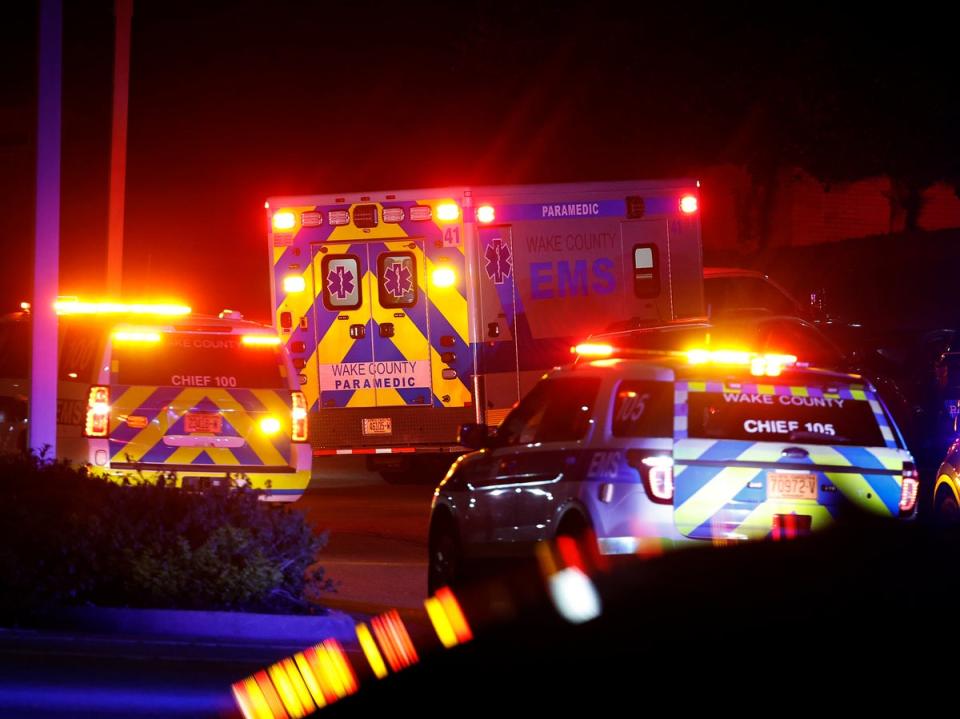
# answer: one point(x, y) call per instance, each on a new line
point(712, 497)
point(871, 494)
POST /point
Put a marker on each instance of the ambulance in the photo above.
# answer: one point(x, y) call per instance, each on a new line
point(409, 313)
point(150, 391)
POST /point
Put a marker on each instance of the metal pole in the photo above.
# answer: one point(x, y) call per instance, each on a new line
point(46, 263)
point(123, 10)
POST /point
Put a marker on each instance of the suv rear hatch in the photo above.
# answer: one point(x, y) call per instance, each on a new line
point(753, 460)
point(189, 400)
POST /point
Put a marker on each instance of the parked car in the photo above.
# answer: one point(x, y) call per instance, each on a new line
point(667, 449)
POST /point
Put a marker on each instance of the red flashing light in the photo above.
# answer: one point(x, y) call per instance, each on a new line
point(689, 204)
point(486, 213)
point(910, 488)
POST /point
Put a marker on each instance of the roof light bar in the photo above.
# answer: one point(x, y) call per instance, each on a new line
point(592, 349)
point(73, 306)
point(260, 340)
point(769, 365)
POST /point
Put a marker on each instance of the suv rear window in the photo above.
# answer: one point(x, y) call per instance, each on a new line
point(643, 409)
point(197, 360)
point(782, 418)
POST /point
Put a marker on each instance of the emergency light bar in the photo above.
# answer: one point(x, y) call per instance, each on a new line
point(73, 306)
point(260, 340)
point(590, 349)
point(770, 365)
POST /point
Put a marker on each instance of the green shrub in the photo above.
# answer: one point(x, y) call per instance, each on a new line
point(67, 538)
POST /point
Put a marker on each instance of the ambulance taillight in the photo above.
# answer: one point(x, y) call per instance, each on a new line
point(98, 412)
point(688, 204)
point(299, 415)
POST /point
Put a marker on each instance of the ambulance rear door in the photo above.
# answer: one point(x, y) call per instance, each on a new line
point(373, 346)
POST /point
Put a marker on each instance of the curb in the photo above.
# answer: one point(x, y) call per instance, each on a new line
point(203, 625)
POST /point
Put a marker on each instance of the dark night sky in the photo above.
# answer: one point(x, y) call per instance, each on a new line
point(233, 102)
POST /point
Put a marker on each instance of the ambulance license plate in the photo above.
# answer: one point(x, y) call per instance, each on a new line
point(791, 485)
point(378, 425)
point(205, 422)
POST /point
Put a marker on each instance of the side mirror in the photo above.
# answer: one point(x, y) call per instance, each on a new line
point(473, 436)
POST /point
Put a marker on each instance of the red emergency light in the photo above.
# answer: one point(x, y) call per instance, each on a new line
point(688, 204)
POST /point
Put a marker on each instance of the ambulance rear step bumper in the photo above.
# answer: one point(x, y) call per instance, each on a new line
point(342, 427)
point(218, 468)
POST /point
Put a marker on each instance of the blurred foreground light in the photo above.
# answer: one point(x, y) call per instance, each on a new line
point(298, 685)
point(574, 595)
point(447, 618)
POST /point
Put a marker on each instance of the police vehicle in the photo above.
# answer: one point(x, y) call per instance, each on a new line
point(409, 313)
point(667, 449)
point(150, 391)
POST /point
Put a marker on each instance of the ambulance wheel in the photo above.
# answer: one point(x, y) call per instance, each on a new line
point(446, 566)
point(946, 508)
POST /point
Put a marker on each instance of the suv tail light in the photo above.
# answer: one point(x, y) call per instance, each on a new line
point(656, 471)
point(299, 412)
point(910, 488)
point(98, 412)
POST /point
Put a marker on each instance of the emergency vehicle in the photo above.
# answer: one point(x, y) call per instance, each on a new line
point(671, 449)
point(150, 391)
point(409, 313)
